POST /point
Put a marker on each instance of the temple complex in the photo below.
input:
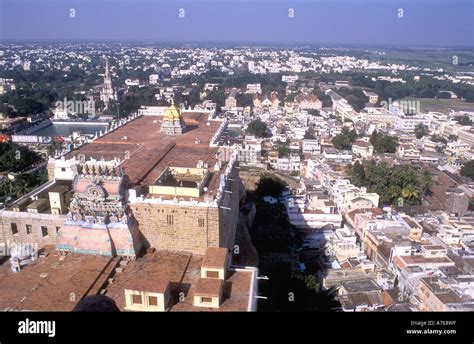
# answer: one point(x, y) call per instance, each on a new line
point(152, 196)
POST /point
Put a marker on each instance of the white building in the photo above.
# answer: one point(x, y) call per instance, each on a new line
point(254, 88)
point(132, 82)
point(380, 117)
point(311, 146)
point(153, 79)
point(334, 155)
point(152, 110)
point(363, 149)
point(457, 149)
point(251, 151)
point(316, 214)
point(308, 102)
point(289, 164)
point(408, 151)
point(289, 78)
point(409, 123)
point(373, 97)
point(349, 197)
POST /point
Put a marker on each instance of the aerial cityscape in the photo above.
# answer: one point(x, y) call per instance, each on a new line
point(166, 174)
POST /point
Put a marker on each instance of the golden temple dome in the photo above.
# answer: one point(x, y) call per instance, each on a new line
point(172, 113)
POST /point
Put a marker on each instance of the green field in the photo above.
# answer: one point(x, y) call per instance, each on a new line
point(443, 105)
point(431, 58)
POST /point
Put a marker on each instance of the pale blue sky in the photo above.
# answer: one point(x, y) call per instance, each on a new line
point(339, 22)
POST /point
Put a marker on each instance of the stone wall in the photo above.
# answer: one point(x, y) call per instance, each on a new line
point(228, 218)
point(177, 228)
point(36, 221)
point(163, 226)
point(50, 168)
point(190, 228)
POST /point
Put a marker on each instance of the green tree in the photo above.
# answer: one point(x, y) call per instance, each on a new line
point(427, 182)
point(443, 95)
point(308, 135)
point(244, 99)
point(410, 192)
point(29, 106)
point(427, 93)
point(21, 185)
point(438, 138)
point(469, 96)
point(452, 138)
point(395, 191)
point(54, 147)
point(357, 174)
point(390, 183)
point(467, 170)
point(283, 149)
point(313, 112)
point(257, 128)
point(463, 120)
point(14, 158)
point(383, 143)
point(354, 96)
point(311, 282)
point(344, 140)
point(324, 98)
point(421, 130)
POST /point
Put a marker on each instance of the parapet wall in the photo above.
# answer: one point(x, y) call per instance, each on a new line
point(21, 219)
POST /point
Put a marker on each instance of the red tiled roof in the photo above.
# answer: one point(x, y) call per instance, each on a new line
point(149, 151)
point(215, 257)
point(209, 287)
point(65, 283)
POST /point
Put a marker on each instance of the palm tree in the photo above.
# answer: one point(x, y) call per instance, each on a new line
point(410, 192)
point(405, 176)
point(20, 188)
point(427, 182)
point(394, 191)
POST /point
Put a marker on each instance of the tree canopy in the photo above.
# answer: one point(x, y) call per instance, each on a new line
point(21, 185)
point(391, 183)
point(257, 128)
point(421, 130)
point(467, 170)
point(438, 138)
point(283, 149)
point(14, 158)
point(383, 143)
point(344, 140)
point(354, 96)
point(308, 135)
point(463, 120)
point(427, 87)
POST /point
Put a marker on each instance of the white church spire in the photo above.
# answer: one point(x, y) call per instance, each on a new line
point(107, 93)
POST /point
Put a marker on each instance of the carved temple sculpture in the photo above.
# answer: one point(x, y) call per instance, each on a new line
point(98, 221)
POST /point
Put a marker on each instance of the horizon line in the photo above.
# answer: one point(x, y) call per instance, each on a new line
point(237, 43)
